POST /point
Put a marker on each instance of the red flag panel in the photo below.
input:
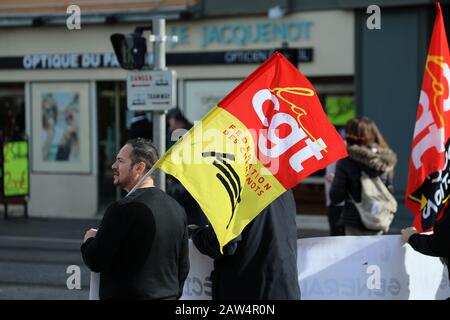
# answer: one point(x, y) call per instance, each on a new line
point(293, 136)
point(427, 190)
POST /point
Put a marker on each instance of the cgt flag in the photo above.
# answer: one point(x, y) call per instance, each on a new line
point(263, 138)
point(428, 187)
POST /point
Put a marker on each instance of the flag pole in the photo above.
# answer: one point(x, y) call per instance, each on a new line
point(138, 184)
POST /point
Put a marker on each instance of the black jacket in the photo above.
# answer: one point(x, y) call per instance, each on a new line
point(141, 127)
point(436, 244)
point(348, 174)
point(262, 262)
point(141, 248)
point(194, 213)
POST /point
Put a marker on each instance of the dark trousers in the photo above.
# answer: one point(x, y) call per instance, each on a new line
point(335, 220)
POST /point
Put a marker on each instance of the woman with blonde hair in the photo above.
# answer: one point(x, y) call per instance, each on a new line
point(368, 152)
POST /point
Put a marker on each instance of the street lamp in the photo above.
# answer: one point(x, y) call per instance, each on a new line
point(148, 90)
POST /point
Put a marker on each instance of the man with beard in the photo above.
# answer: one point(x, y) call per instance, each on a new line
point(141, 246)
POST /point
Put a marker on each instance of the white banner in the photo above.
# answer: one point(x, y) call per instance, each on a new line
point(368, 267)
point(198, 283)
point(345, 268)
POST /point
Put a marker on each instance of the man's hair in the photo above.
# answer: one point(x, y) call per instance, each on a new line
point(143, 151)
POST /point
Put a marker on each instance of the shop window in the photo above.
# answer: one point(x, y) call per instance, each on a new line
point(200, 96)
point(340, 109)
point(310, 193)
point(12, 111)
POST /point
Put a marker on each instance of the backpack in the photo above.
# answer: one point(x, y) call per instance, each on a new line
point(377, 206)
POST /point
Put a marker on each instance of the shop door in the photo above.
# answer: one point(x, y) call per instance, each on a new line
point(112, 133)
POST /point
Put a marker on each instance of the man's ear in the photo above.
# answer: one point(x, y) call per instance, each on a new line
point(140, 167)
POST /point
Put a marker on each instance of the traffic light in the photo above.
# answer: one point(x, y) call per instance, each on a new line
point(130, 50)
point(291, 54)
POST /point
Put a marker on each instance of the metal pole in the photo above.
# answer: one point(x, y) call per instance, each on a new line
point(159, 117)
point(141, 180)
point(117, 128)
point(159, 30)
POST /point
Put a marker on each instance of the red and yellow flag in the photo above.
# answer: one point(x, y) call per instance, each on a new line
point(428, 186)
point(263, 138)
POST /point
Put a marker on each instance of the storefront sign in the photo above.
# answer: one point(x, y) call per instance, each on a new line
point(109, 60)
point(231, 57)
point(70, 61)
point(243, 34)
point(15, 169)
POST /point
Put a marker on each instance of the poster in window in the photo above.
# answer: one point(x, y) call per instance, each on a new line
point(202, 95)
point(15, 169)
point(60, 127)
point(340, 109)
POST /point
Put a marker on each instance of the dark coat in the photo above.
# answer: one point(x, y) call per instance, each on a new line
point(141, 248)
point(347, 177)
point(436, 244)
point(194, 213)
point(262, 262)
point(141, 127)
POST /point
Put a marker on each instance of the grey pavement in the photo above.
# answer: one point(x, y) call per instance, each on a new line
point(46, 227)
point(35, 254)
